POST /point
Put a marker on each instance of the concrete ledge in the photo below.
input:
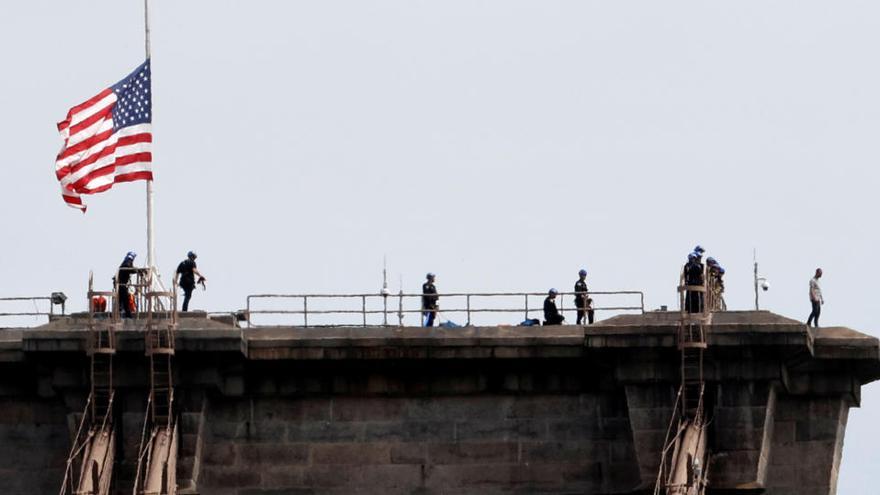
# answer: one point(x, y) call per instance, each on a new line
point(559, 409)
point(414, 343)
point(729, 331)
point(844, 343)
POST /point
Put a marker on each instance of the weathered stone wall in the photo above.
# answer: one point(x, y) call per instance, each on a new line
point(742, 429)
point(433, 411)
point(450, 444)
point(807, 446)
point(34, 440)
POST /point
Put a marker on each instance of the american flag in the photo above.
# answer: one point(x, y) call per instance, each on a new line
point(107, 139)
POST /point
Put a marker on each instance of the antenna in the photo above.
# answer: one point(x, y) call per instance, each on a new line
point(755, 261)
point(385, 291)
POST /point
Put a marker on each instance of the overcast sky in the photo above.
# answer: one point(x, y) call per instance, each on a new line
point(502, 144)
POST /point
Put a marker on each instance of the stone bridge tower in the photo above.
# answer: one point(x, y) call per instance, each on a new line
point(565, 409)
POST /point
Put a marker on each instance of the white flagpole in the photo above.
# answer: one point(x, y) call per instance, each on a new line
point(151, 241)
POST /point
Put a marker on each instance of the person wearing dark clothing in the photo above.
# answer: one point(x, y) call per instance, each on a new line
point(816, 299)
point(701, 296)
point(582, 300)
point(123, 275)
point(429, 301)
point(551, 314)
point(187, 272)
point(693, 275)
point(685, 277)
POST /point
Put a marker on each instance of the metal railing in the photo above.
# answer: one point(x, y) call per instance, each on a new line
point(5, 301)
point(14, 307)
point(325, 310)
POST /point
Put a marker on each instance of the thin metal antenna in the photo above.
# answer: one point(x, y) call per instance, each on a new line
point(755, 261)
point(384, 275)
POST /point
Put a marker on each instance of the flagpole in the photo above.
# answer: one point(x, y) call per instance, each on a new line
point(151, 242)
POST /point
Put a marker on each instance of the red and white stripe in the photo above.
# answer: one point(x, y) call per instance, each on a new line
point(94, 157)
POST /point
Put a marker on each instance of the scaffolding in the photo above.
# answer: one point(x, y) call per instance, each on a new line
point(157, 458)
point(89, 469)
point(684, 458)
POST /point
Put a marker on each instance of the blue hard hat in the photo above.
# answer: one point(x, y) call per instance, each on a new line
point(430, 275)
point(699, 249)
point(582, 273)
point(553, 292)
point(692, 256)
point(131, 255)
point(711, 260)
point(192, 254)
point(721, 270)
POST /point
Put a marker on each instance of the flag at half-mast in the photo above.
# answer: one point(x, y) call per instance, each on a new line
point(107, 139)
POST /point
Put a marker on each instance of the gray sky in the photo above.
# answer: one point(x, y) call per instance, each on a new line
point(500, 143)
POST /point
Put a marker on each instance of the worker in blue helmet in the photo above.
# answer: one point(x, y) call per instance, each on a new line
point(582, 300)
point(698, 250)
point(551, 312)
point(123, 276)
point(429, 300)
point(186, 278)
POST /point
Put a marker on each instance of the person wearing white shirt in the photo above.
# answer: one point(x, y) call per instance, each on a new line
point(816, 299)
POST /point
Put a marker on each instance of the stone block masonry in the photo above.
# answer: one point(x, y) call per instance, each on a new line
point(548, 410)
point(482, 442)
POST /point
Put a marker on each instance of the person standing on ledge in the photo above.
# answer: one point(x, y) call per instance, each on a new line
point(187, 272)
point(693, 276)
point(551, 314)
point(429, 300)
point(582, 300)
point(701, 296)
point(816, 299)
point(123, 299)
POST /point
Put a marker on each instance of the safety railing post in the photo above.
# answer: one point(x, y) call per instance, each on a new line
point(248, 312)
point(305, 311)
point(364, 309)
point(468, 303)
point(642, 301)
point(116, 301)
point(527, 305)
point(400, 309)
point(384, 309)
